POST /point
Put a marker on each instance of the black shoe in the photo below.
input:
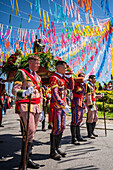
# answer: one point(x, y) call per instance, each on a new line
point(55, 156)
point(63, 154)
point(75, 142)
point(82, 140)
point(32, 165)
point(91, 137)
point(49, 127)
point(43, 129)
point(1, 126)
point(94, 135)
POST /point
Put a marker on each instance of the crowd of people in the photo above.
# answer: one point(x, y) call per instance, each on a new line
point(34, 100)
point(106, 86)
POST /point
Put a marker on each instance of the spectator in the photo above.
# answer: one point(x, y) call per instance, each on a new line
point(100, 87)
point(109, 87)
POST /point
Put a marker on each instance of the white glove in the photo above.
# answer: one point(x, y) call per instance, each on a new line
point(41, 116)
point(67, 76)
point(67, 109)
point(27, 92)
point(92, 109)
point(85, 80)
point(102, 94)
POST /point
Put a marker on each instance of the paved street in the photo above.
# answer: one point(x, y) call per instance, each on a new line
point(95, 154)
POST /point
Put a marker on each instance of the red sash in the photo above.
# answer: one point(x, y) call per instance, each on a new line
point(78, 95)
point(33, 100)
point(93, 96)
point(32, 78)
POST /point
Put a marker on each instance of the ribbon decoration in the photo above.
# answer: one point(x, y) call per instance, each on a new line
point(21, 23)
point(12, 4)
point(102, 3)
point(10, 21)
point(44, 16)
point(48, 20)
point(30, 14)
point(36, 3)
point(39, 7)
point(17, 9)
point(50, 7)
point(40, 26)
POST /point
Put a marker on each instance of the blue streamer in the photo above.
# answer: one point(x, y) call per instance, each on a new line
point(104, 58)
point(36, 3)
point(39, 4)
point(50, 8)
point(55, 12)
point(102, 3)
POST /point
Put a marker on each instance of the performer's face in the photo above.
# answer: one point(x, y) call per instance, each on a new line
point(62, 69)
point(94, 80)
point(82, 75)
point(34, 64)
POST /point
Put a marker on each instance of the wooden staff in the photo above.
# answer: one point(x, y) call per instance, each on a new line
point(104, 117)
point(27, 130)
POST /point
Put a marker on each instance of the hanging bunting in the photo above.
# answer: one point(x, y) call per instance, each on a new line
point(75, 11)
point(40, 27)
point(36, 4)
point(30, 14)
point(17, 9)
point(50, 8)
point(67, 7)
point(102, 3)
point(33, 4)
point(55, 12)
point(12, 4)
point(44, 18)
point(48, 20)
point(79, 2)
point(70, 9)
point(87, 18)
point(39, 7)
point(59, 12)
point(53, 28)
point(21, 23)
point(10, 21)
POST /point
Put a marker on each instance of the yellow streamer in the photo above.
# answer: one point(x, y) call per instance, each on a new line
point(48, 20)
point(64, 24)
point(73, 28)
point(17, 9)
point(44, 16)
point(12, 4)
point(31, 13)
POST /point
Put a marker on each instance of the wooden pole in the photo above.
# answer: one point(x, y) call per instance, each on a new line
point(104, 117)
point(27, 130)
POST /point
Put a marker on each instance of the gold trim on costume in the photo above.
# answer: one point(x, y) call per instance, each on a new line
point(54, 86)
point(79, 89)
point(60, 106)
point(18, 82)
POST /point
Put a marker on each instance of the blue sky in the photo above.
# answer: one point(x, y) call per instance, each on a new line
point(25, 10)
